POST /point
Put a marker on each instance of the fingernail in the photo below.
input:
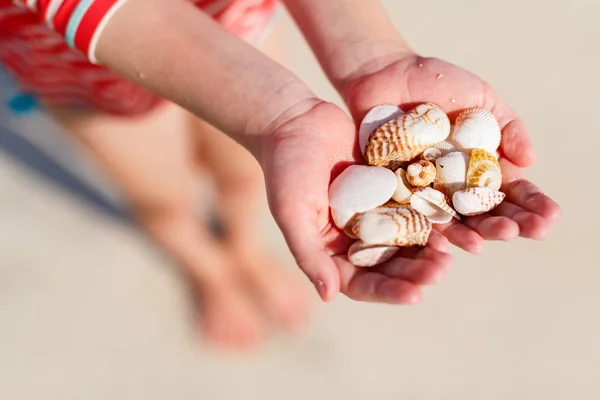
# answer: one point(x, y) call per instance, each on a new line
point(321, 289)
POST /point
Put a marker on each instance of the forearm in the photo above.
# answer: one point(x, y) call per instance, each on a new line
point(349, 37)
point(183, 55)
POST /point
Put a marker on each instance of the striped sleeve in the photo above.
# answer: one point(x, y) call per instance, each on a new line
point(80, 22)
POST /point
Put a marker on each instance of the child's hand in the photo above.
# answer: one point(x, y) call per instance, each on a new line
point(411, 80)
point(298, 160)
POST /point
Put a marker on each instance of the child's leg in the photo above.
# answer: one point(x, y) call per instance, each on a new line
point(239, 183)
point(151, 160)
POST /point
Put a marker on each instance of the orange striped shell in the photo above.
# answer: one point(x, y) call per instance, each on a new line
point(403, 138)
point(397, 226)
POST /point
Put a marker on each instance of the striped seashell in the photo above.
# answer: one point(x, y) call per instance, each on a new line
point(477, 128)
point(397, 226)
point(403, 191)
point(431, 154)
point(475, 201)
point(378, 116)
point(484, 170)
point(421, 173)
point(343, 219)
point(404, 138)
point(451, 174)
point(357, 189)
point(434, 205)
point(361, 254)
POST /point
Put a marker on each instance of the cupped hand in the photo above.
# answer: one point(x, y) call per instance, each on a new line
point(411, 80)
point(300, 158)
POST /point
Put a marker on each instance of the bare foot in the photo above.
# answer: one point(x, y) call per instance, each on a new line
point(228, 317)
point(281, 295)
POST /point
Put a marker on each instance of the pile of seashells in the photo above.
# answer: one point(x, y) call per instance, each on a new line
point(422, 171)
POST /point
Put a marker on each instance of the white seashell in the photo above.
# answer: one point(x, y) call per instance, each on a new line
point(360, 188)
point(477, 128)
point(475, 201)
point(400, 226)
point(421, 173)
point(451, 174)
point(484, 170)
point(431, 154)
point(403, 191)
point(434, 205)
point(361, 254)
point(378, 116)
point(447, 146)
point(405, 137)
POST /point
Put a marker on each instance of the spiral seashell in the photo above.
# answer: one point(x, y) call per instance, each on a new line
point(431, 154)
point(357, 189)
point(421, 173)
point(451, 174)
point(484, 170)
point(403, 191)
point(378, 116)
point(434, 205)
point(475, 201)
point(477, 128)
point(405, 137)
point(361, 254)
point(394, 226)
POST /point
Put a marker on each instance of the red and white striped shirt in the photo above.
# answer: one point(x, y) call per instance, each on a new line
point(48, 45)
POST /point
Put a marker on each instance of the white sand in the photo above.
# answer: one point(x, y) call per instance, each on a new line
point(88, 310)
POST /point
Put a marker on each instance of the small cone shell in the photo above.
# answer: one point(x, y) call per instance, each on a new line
point(484, 170)
point(421, 173)
point(434, 205)
point(399, 226)
point(361, 254)
point(477, 128)
point(475, 201)
point(378, 116)
point(431, 154)
point(404, 138)
point(451, 174)
point(403, 191)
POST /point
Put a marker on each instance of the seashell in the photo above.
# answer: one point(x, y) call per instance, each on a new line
point(399, 226)
point(451, 173)
point(421, 173)
point(360, 188)
point(475, 201)
point(431, 154)
point(378, 116)
point(361, 254)
point(477, 128)
point(447, 146)
point(343, 220)
point(403, 189)
point(484, 170)
point(434, 205)
point(405, 137)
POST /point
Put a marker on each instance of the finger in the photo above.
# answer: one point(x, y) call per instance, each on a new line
point(530, 224)
point(515, 145)
point(429, 267)
point(529, 197)
point(301, 231)
point(462, 236)
point(493, 227)
point(437, 241)
point(371, 286)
